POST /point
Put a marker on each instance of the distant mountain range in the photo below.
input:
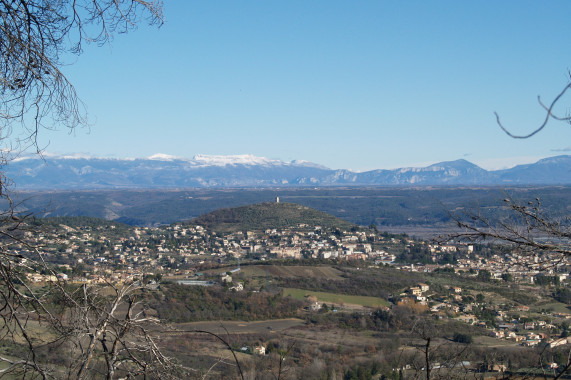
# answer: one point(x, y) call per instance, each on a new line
point(163, 171)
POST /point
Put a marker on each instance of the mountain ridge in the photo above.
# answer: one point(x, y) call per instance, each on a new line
point(242, 171)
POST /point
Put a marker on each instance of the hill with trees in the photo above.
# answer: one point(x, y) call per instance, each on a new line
point(267, 215)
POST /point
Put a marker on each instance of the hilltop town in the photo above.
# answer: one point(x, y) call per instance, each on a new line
point(97, 250)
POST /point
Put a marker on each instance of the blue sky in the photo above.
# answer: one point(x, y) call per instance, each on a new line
point(358, 85)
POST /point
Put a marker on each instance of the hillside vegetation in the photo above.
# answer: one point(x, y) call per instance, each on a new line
point(267, 215)
point(397, 210)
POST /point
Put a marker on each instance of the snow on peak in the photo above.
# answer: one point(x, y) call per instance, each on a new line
point(239, 159)
point(54, 156)
point(75, 156)
point(162, 157)
point(308, 164)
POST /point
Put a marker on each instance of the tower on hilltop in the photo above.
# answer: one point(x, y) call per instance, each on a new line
point(277, 199)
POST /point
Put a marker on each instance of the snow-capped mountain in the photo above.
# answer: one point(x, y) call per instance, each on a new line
point(166, 171)
point(243, 159)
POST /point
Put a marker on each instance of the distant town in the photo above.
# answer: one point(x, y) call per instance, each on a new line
point(108, 252)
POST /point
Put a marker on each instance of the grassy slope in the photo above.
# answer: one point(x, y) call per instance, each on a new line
point(336, 298)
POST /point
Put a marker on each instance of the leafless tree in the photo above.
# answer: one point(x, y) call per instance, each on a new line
point(524, 226)
point(542, 241)
point(102, 328)
point(19, 306)
point(37, 38)
point(107, 327)
point(76, 331)
point(435, 357)
point(282, 355)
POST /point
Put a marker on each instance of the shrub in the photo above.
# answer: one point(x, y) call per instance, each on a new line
point(462, 338)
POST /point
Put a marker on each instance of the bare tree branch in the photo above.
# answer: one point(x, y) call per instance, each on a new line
point(524, 226)
point(35, 38)
point(549, 115)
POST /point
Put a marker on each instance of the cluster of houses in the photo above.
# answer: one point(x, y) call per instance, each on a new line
point(530, 331)
point(521, 267)
point(111, 253)
point(105, 253)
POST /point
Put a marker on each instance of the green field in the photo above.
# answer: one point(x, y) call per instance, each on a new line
point(554, 306)
point(336, 298)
